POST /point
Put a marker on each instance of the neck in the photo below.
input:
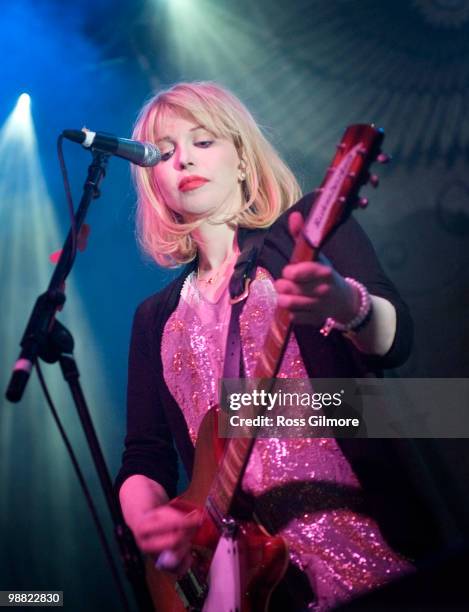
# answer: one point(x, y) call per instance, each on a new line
point(215, 244)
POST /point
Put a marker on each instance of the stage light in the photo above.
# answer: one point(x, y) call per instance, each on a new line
point(24, 102)
point(201, 36)
point(208, 40)
point(19, 125)
point(22, 112)
point(29, 232)
point(184, 4)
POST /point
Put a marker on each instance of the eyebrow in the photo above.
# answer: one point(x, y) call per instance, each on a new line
point(170, 139)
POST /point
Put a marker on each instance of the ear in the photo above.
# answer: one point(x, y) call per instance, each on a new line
point(242, 170)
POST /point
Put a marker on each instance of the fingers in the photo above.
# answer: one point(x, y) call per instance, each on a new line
point(164, 518)
point(176, 561)
point(166, 528)
point(295, 224)
point(304, 310)
point(313, 289)
point(167, 560)
point(307, 272)
point(295, 303)
point(156, 538)
point(173, 560)
point(305, 288)
point(172, 542)
point(308, 279)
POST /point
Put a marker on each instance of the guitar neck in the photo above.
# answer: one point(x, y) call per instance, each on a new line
point(238, 450)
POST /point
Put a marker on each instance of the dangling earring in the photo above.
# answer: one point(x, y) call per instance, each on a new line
point(242, 174)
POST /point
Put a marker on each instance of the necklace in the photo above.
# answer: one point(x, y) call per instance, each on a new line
point(211, 279)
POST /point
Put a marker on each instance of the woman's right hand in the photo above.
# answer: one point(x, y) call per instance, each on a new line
point(159, 529)
point(166, 533)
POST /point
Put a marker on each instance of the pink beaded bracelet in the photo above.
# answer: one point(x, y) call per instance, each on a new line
point(363, 313)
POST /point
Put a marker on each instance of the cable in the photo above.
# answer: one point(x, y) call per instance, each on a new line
point(86, 492)
point(70, 206)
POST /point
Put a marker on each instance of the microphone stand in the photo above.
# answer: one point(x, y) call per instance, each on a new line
point(47, 338)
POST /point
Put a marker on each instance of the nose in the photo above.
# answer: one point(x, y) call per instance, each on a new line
point(184, 158)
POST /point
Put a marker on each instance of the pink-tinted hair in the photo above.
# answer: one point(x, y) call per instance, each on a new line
point(270, 186)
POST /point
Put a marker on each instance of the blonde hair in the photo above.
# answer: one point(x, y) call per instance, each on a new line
point(269, 188)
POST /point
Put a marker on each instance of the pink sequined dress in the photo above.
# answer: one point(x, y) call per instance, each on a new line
point(305, 487)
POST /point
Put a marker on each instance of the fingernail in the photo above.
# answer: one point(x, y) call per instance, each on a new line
point(167, 560)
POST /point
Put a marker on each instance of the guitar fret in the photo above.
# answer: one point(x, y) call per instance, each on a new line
point(226, 481)
point(267, 363)
point(230, 469)
point(219, 496)
point(277, 334)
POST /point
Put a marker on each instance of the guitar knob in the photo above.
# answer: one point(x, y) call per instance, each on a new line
point(363, 202)
point(383, 158)
point(374, 180)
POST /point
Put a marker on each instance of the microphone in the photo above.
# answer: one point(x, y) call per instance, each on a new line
point(140, 153)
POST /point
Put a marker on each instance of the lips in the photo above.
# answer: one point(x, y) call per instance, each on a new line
point(189, 183)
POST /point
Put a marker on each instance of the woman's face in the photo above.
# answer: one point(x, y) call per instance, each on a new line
point(199, 174)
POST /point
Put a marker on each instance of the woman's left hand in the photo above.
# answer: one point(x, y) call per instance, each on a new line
point(313, 290)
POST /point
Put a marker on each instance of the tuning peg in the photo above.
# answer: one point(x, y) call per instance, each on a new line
point(363, 202)
point(374, 180)
point(383, 158)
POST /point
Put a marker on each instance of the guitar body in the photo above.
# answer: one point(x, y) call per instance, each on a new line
point(262, 558)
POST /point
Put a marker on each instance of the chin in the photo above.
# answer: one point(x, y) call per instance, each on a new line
point(196, 214)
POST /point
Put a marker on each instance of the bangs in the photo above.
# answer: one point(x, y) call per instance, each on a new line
point(213, 120)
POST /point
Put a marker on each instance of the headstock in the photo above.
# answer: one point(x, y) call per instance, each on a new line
point(349, 171)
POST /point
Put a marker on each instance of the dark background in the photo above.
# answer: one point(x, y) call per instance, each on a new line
point(306, 70)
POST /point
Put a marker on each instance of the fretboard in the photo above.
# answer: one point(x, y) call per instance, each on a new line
point(238, 450)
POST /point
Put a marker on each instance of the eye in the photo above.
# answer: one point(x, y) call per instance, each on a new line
point(203, 144)
point(167, 155)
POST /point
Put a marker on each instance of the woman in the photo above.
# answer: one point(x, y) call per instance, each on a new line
point(218, 181)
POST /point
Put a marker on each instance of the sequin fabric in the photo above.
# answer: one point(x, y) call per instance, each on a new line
point(305, 489)
point(192, 351)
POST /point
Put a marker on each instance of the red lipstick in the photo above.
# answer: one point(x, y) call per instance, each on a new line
point(189, 183)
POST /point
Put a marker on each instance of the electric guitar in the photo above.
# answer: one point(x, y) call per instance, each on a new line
point(253, 561)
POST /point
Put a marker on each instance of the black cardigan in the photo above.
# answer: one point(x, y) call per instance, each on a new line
point(154, 419)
